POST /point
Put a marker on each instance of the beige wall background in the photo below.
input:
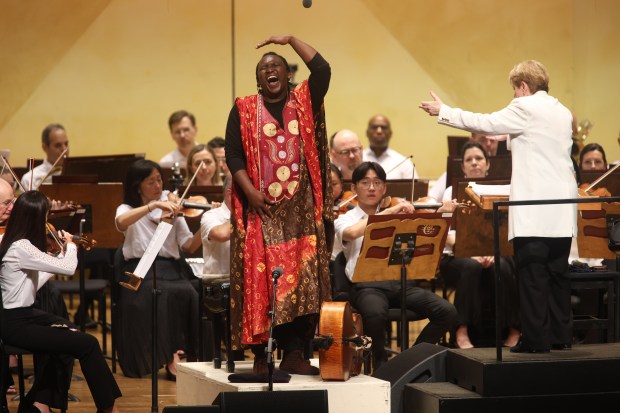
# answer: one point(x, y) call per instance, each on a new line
point(112, 71)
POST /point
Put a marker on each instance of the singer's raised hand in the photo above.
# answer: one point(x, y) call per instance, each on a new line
point(282, 39)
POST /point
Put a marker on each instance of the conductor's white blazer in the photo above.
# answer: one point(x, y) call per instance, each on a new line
point(540, 142)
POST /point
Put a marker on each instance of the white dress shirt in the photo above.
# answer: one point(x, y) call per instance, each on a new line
point(22, 271)
point(351, 248)
point(216, 254)
point(388, 161)
point(139, 234)
point(540, 141)
point(38, 173)
point(168, 160)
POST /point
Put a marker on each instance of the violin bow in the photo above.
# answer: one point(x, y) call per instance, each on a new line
point(190, 182)
point(352, 197)
point(600, 178)
point(19, 183)
point(62, 155)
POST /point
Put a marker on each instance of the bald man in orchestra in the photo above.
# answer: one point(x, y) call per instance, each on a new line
point(54, 142)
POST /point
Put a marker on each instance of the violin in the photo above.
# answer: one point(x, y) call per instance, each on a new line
point(344, 203)
point(55, 245)
point(193, 206)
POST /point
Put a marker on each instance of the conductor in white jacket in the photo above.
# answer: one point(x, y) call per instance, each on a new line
point(540, 142)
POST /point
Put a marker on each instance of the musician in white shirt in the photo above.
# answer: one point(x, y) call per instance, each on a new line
point(25, 268)
point(215, 230)
point(55, 144)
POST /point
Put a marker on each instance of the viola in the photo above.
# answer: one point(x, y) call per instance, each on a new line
point(600, 192)
point(55, 244)
point(344, 203)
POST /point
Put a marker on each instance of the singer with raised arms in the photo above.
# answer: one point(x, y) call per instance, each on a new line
point(277, 152)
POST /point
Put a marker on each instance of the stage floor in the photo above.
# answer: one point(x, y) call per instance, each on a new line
point(199, 384)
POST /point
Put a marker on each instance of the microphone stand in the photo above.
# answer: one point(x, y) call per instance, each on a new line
point(82, 288)
point(406, 254)
point(154, 369)
point(272, 342)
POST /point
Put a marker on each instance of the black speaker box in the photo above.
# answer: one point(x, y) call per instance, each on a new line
point(421, 363)
point(191, 409)
point(298, 401)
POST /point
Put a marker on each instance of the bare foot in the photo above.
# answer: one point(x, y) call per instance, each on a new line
point(462, 338)
point(43, 408)
point(513, 337)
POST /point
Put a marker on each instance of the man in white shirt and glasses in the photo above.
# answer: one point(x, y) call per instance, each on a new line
point(346, 151)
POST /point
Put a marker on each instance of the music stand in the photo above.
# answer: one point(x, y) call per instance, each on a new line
point(405, 247)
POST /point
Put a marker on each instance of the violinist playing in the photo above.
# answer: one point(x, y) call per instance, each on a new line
point(210, 173)
point(144, 205)
point(54, 339)
point(55, 144)
point(373, 299)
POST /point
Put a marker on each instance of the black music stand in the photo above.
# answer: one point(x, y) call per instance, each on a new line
point(405, 247)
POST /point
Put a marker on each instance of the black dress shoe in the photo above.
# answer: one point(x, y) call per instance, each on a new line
point(520, 348)
point(561, 346)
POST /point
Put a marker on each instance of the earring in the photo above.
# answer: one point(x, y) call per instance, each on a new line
point(260, 89)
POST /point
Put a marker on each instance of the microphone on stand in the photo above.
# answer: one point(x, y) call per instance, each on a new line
point(275, 274)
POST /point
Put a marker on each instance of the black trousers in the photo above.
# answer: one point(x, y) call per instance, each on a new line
point(544, 291)
point(374, 299)
point(55, 348)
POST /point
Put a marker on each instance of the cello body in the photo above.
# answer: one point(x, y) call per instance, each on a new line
point(340, 360)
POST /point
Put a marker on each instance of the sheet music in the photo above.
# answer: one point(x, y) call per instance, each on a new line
point(161, 233)
point(497, 190)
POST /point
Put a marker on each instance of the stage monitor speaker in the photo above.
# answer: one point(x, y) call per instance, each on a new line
point(191, 409)
point(298, 401)
point(422, 363)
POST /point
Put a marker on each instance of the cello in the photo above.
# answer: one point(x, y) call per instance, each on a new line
point(341, 345)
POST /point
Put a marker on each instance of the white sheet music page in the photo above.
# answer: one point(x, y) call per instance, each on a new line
point(161, 233)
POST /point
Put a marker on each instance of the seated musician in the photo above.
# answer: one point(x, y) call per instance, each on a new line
point(340, 196)
point(592, 158)
point(138, 217)
point(182, 125)
point(25, 267)
point(54, 142)
point(468, 274)
point(372, 299)
point(210, 173)
point(215, 232)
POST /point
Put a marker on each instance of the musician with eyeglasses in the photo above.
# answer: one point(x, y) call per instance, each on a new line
point(346, 151)
point(373, 299)
point(379, 133)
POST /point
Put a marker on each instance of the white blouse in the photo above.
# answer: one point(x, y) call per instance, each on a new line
point(22, 271)
point(139, 234)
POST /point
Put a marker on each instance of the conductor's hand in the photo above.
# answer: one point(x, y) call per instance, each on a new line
point(431, 106)
point(259, 204)
point(283, 39)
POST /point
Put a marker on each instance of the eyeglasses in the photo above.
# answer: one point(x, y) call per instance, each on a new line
point(366, 183)
point(8, 203)
point(347, 152)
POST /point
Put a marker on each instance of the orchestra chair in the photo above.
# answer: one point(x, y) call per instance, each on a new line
point(92, 287)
